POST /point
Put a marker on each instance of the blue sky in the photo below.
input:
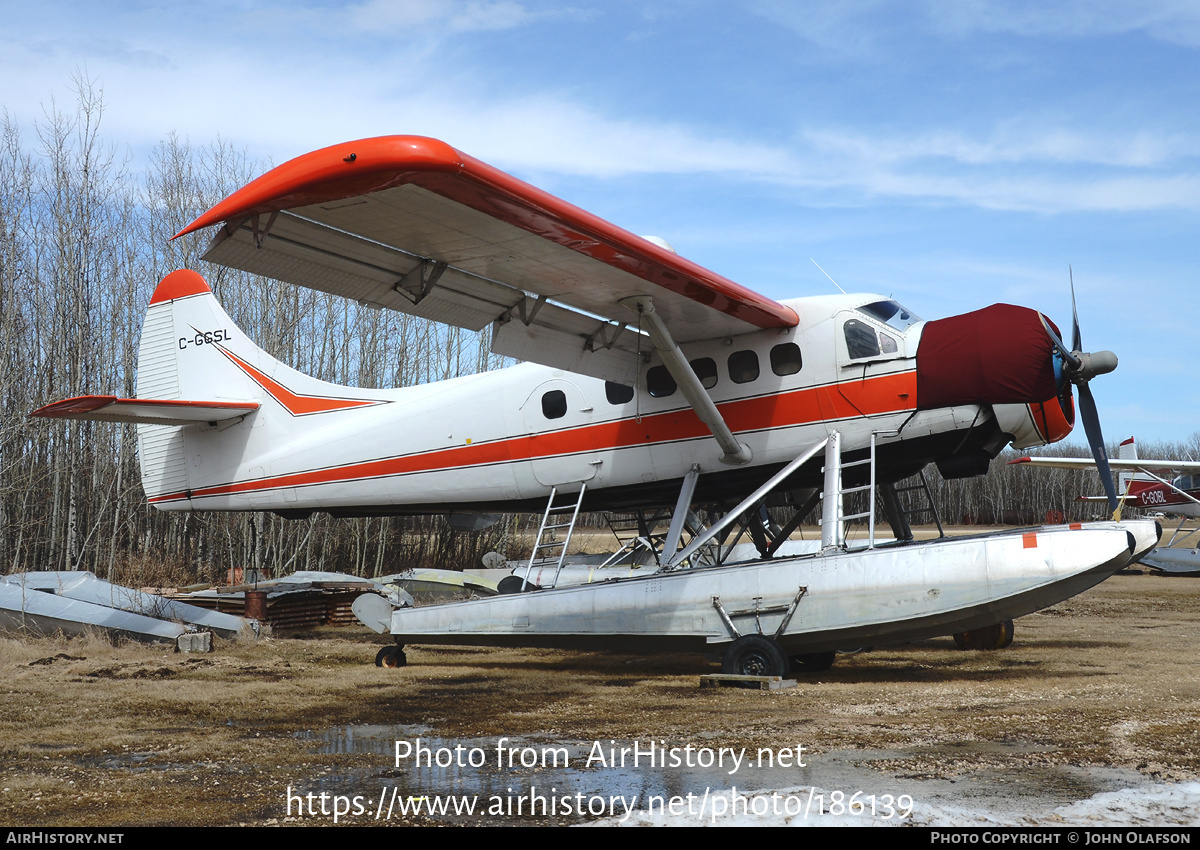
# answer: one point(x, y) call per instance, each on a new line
point(952, 153)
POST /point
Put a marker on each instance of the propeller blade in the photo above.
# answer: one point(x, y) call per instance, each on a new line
point(1076, 337)
point(1070, 359)
point(1091, 426)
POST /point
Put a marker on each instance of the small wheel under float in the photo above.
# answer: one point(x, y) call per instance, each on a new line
point(391, 656)
point(813, 662)
point(755, 655)
point(997, 636)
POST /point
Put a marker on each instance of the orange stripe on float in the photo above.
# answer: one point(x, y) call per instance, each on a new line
point(1029, 540)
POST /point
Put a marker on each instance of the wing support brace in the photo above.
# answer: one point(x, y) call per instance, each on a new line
point(736, 453)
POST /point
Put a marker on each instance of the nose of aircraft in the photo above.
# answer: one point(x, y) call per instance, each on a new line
point(1005, 354)
point(998, 355)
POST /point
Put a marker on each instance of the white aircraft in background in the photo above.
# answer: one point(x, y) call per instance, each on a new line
point(648, 380)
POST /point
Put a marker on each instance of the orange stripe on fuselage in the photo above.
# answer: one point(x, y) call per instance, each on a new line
point(883, 394)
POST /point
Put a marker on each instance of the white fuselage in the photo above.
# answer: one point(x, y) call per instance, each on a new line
point(511, 435)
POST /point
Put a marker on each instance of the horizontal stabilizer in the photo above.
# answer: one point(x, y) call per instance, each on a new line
point(149, 411)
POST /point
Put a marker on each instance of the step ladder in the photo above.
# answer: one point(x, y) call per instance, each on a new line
point(833, 516)
point(548, 533)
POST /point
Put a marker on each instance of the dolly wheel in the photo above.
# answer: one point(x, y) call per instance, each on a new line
point(996, 636)
point(813, 662)
point(1007, 639)
point(755, 655)
point(391, 656)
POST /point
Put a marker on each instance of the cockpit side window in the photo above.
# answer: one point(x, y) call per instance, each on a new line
point(861, 340)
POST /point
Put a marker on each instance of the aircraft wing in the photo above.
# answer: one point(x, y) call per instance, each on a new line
point(411, 224)
point(1132, 464)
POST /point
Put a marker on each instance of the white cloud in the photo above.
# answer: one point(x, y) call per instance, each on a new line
point(1011, 142)
point(166, 78)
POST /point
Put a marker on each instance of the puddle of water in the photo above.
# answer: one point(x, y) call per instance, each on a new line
point(490, 769)
point(475, 768)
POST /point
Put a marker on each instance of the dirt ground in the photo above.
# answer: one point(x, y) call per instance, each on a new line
point(95, 734)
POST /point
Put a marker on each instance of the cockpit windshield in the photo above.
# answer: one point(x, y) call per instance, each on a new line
point(892, 313)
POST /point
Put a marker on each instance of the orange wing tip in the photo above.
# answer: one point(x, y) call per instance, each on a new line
point(1021, 460)
point(110, 408)
point(339, 171)
point(179, 284)
point(74, 406)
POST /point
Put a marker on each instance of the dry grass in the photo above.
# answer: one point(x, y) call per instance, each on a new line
point(94, 733)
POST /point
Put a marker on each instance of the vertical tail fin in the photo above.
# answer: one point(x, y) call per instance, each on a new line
point(191, 350)
point(1125, 481)
point(183, 317)
point(197, 368)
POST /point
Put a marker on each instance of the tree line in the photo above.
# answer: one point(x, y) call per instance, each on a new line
point(84, 238)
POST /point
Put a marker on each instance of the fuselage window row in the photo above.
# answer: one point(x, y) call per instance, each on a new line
point(742, 365)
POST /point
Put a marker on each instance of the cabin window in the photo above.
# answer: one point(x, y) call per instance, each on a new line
point(617, 393)
point(554, 404)
point(785, 359)
point(659, 382)
point(743, 367)
point(861, 340)
point(706, 370)
point(886, 344)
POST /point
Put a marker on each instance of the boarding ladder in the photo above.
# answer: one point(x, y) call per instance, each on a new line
point(548, 534)
point(833, 516)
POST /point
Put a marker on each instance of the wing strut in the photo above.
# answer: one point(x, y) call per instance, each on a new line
point(735, 452)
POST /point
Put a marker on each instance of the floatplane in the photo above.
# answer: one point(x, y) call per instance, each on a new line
point(647, 380)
